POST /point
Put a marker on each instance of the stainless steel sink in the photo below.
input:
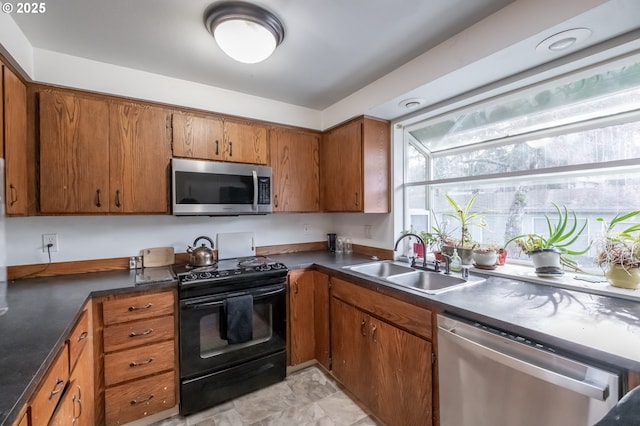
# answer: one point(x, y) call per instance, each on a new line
point(382, 269)
point(432, 282)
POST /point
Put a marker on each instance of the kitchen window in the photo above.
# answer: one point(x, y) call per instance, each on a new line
point(573, 141)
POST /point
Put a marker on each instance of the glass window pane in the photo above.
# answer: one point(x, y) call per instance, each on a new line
point(416, 165)
point(620, 142)
point(598, 93)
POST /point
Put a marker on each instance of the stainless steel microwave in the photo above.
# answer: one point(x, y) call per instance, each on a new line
point(212, 188)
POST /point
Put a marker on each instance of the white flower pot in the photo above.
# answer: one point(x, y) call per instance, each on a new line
point(485, 258)
point(546, 260)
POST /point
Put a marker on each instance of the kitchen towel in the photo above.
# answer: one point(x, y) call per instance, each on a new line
point(239, 318)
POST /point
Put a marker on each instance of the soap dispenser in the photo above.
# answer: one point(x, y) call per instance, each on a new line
point(455, 264)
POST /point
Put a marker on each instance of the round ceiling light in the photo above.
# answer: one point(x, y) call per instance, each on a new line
point(244, 31)
point(563, 40)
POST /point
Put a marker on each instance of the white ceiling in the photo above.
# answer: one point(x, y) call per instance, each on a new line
point(331, 48)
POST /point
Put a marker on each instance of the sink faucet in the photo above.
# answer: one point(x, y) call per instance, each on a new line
point(436, 267)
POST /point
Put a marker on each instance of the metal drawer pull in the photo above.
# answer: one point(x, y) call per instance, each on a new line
point(373, 333)
point(13, 192)
point(138, 308)
point(118, 204)
point(144, 333)
point(137, 364)
point(57, 389)
point(83, 336)
point(98, 200)
point(217, 150)
point(140, 401)
point(363, 328)
point(77, 399)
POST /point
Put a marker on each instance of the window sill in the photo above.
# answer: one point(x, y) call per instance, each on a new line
point(570, 280)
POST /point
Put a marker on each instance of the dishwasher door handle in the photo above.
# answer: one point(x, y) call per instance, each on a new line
point(600, 393)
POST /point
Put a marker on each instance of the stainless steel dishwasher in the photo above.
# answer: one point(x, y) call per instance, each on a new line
point(489, 377)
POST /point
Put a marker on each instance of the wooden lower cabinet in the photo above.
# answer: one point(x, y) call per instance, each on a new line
point(139, 355)
point(389, 369)
point(308, 318)
point(138, 399)
point(46, 398)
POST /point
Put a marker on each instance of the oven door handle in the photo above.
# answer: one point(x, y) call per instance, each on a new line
point(218, 300)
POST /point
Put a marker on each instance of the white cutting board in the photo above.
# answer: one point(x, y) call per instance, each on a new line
point(236, 244)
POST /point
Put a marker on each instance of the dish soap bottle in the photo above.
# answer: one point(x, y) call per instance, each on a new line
point(455, 264)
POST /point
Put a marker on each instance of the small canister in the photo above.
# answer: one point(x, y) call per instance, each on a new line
point(331, 242)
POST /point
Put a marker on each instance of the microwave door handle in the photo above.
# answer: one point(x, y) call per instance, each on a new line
point(255, 189)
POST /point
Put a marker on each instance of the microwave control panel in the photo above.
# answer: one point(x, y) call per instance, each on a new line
point(264, 190)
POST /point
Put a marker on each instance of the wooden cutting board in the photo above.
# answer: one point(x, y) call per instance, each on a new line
point(158, 256)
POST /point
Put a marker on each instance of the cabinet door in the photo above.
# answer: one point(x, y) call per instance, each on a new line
point(403, 371)
point(140, 151)
point(295, 163)
point(352, 364)
point(197, 137)
point(245, 142)
point(321, 314)
point(15, 143)
point(301, 318)
point(74, 154)
point(342, 168)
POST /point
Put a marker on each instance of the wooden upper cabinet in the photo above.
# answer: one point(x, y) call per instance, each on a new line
point(295, 162)
point(139, 156)
point(245, 142)
point(98, 156)
point(14, 124)
point(355, 167)
point(74, 154)
point(197, 137)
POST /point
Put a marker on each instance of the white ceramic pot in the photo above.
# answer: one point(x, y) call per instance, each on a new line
point(546, 259)
point(485, 258)
point(623, 278)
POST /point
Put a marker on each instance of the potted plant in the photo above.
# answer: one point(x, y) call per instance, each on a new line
point(467, 219)
point(619, 252)
point(550, 252)
point(485, 256)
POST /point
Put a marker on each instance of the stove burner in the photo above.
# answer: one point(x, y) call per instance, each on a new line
point(227, 268)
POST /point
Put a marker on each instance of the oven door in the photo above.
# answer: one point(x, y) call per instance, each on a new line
point(202, 346)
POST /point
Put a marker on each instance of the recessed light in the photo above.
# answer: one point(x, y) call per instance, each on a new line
point(411, 103)
point(563, 40)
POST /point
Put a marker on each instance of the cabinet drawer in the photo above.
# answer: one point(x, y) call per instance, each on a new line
point(402, 314)
point(123, 336)
point(135, 400)
point(138, 362)
point(137, 307)
point(78, 339)
point(46, 398)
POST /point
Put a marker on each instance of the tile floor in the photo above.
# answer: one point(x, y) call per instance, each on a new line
point(307, 397)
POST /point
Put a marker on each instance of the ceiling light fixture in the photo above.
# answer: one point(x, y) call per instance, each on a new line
point(563, 40)
point(244, 31)
point(411, 103)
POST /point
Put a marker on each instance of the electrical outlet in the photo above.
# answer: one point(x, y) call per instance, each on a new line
point(305, 228)
point(49, 239)
point(367, 232)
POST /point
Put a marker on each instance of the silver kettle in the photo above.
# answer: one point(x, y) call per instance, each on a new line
point(203, 255)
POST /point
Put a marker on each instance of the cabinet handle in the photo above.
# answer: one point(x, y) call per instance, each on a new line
point(138, 364)
point(230, 149)
point(14, 195)
point(139, 308)
point(98, 198)
point(56, 389)
point(217, 149)
point(83, 336)
point(373, 333)
point(144, 333)
point(295, 287)
point(363, 327)
point(141, 401)
point(357, 200)
point(77, 399)
point(118, 204)
point(275, 200)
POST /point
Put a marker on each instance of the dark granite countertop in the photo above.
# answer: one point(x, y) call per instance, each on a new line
point(41, 313)
point(600, 328)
